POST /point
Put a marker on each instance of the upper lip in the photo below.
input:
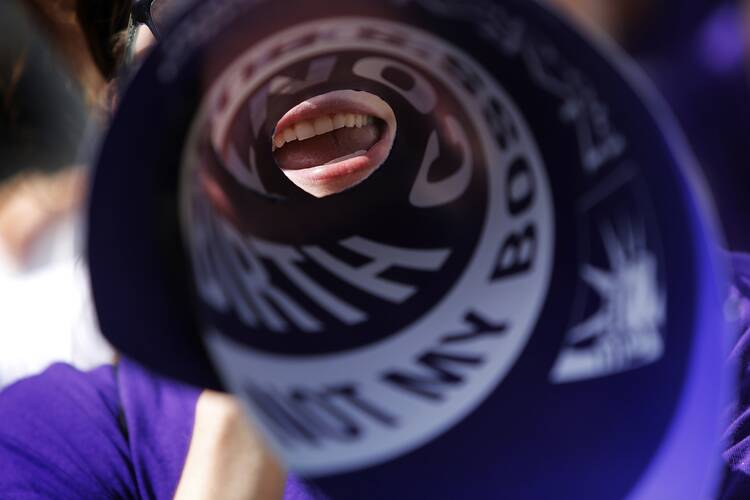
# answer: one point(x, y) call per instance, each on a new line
point(336, 102)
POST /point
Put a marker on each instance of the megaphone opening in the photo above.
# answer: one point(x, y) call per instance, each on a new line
point(333, 141)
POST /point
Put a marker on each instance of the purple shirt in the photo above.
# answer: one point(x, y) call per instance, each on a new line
point(109, 433)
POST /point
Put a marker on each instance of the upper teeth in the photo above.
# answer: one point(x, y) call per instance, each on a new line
point(310, 128)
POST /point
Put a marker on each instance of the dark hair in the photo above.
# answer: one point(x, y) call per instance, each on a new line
point(41, 109)
point(104, 24)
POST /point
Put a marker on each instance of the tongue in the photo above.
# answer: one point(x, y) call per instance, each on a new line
point(321, 149)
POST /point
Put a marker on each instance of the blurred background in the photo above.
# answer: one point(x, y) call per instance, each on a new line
point(57, 62)
point(696, 52)
point(51, 98)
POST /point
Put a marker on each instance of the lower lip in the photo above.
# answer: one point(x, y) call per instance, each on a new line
point(352, 170)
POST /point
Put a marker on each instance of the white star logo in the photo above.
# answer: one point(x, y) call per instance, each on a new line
point(624, 333)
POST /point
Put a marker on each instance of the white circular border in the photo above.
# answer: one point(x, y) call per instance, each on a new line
point(516, 300)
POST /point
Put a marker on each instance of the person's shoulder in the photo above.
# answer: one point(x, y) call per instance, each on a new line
point(58, 383)
point(61, 436)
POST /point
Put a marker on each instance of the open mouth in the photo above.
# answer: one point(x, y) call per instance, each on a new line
point(334, 141)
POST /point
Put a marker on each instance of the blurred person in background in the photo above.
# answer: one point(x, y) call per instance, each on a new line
point(43, 180)
point(46, 310)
